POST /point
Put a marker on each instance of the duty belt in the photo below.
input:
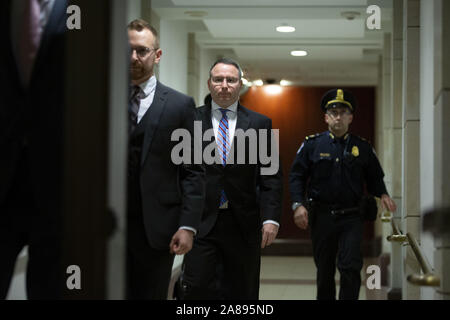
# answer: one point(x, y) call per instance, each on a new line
point(345, 212)
point(338, 211)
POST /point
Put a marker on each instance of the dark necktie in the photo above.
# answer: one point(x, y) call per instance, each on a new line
point(136, 95)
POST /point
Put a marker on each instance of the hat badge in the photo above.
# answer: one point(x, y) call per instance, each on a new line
point(340, 95)
point(355, 151)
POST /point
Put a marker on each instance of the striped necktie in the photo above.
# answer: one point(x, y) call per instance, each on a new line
point(223, 143)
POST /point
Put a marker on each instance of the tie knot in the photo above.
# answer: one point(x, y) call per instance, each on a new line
point(224, 112)
point(137, 92)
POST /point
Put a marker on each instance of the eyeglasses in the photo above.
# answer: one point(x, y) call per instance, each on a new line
point(142, 52)
point(219, 80)
point(335, 113)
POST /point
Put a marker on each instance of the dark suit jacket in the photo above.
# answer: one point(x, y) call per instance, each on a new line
point(34, 116)
point(253, 197)
point(172, 195)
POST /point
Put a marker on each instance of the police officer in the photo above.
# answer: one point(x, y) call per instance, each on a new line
point(326, 183)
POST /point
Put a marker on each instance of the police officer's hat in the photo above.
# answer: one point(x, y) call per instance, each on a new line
point(338, 98)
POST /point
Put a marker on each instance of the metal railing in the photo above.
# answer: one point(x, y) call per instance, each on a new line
point(427, 278)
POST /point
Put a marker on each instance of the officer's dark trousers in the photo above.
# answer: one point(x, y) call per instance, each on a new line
point(339, 238)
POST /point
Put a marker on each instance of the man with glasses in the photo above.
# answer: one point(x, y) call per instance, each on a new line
point(326, 183)
point(243, 206)
point(165, 201)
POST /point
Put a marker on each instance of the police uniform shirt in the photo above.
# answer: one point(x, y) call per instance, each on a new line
point(334, 170)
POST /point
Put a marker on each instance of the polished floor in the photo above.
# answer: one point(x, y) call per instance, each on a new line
point(293, 278)
point(282, 278)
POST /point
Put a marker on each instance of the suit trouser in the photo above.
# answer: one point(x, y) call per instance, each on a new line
point(148, 269)
point(240, 264)
point(341, 237)
point(22, 224)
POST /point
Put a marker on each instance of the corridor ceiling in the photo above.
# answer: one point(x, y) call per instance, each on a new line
point(340, 51)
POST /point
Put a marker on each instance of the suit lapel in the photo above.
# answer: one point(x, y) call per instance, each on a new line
point(56, 25)
point(152, 118)
point(243, 120)
point(207, 117)
point(9, 53)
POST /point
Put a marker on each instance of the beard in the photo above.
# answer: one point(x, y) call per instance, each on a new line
point(139, 71)
point(136, 72)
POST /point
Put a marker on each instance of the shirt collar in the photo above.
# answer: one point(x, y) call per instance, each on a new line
point(334, 138)
point(148, 86)
point(232, 108)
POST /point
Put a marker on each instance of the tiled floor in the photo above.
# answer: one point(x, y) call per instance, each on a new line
point(293, 278)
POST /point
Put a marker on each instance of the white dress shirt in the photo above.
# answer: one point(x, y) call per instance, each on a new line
point(148, 87)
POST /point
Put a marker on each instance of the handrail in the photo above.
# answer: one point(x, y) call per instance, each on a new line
point(396, 235)
point(386, 217)
point(428, 278)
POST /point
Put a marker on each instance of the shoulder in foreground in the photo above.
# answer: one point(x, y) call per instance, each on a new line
point(174, 92)
point(201, 108)
point(254, 114)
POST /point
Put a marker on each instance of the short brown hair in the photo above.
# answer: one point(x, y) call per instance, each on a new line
point(139, 25)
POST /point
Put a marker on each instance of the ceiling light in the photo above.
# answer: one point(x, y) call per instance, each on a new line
point(299, 53)
point(285, 83)
point(245, 82)
point(258, 82)
point(285, 28)
point(272, 89)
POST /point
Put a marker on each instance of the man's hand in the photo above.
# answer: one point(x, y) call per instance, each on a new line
point(388, 203)
point(182, 241)
point(269, 233)
point(301, 217)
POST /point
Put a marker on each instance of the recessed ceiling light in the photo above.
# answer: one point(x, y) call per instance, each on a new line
point(299, 53)
point(258, 82)
point(273, 89)
point(285, 28)
point(285, 83)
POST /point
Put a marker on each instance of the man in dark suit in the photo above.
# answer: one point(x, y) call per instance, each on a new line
point(165, 200)
point(243, 204)
point(31, 118)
